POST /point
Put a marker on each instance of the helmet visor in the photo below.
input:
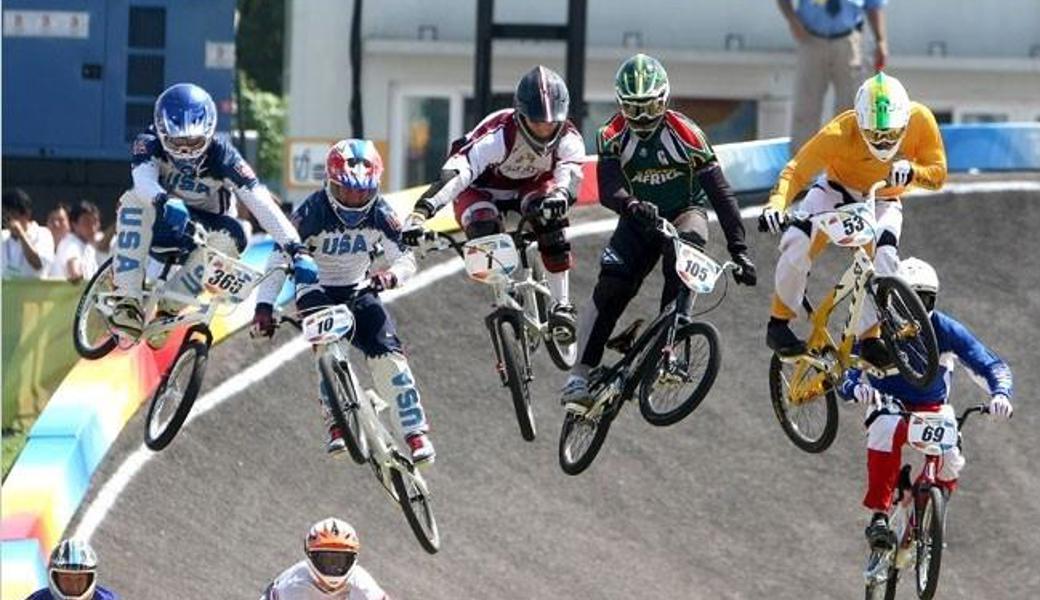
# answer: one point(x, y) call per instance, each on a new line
point(73, 583)
point(928, 299)
point(186, 145)
point(332, 564)
point(643, 110)
point(883, 139)
point(350, 198)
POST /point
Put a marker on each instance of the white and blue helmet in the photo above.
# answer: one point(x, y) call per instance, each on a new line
point(185, 121)
point(72, 560)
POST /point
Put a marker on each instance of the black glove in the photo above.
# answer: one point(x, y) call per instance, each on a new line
point(744, 275)
point(263, 320)
point(643, 213)
point(550, 207)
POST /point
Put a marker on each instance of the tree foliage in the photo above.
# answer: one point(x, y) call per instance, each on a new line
point(260, 42)
point(264, 112)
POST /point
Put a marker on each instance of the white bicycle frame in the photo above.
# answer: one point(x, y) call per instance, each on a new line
point(382, 448)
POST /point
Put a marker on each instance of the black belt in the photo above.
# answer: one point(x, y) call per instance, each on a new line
point(835, 36)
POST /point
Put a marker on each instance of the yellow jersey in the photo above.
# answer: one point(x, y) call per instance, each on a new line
point(840, 150)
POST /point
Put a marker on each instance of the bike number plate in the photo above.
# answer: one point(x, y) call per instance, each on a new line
point(697, 270)
point(492, 258)
point(933, 433)
point(228, 279)
point(328, 324)
point(850, 225)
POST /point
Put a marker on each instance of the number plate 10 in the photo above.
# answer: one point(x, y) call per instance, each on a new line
point(328, 324)
point(933, 433)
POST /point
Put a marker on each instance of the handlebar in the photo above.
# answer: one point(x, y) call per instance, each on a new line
point(893, 401)
point(869, 198)
point(667, 229)
point(439, 240)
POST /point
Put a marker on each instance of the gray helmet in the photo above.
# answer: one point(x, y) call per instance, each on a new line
point(72, 557)
point(541, 96)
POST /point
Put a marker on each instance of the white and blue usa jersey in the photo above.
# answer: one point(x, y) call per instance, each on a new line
point(956, 343)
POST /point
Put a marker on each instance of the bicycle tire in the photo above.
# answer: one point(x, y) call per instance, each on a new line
point(156, 437)
point(649, 374)
point(425, 530)
point(888, 592)
point(894, 287)
point(575, 464)
point(83, 310)
point(930, 524)
point(516, 381)
point(813, 444)
point(336, 381)
point(563, 359)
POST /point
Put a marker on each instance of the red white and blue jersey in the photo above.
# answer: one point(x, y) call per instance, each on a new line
point(495, 156)
point(956, 343)
point(100, 593)
point(208, 183)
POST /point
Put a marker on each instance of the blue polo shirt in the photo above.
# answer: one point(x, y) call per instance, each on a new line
point(816, 16)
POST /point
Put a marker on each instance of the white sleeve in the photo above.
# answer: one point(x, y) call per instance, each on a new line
point(402, 262)
point(272, 286)
point(65, 251)
point(470, 164)
point(259, 202)
point(146, 179)
point(570, 155)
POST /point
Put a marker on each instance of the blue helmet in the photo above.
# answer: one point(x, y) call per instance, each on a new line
point(185, 120)
point(72, 572)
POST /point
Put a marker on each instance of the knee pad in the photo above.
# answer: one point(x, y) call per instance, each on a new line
point(886, 258)
point(555, 250)
point(481, 227)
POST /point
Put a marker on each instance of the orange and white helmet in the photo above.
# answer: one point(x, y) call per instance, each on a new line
point(331, 547)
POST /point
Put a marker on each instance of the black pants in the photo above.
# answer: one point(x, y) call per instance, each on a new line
point(624, 264)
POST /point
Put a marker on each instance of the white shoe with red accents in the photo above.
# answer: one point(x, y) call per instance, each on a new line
point(422, 448)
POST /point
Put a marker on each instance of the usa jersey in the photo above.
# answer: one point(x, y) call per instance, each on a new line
point(495, 156)
point(100, 593)
point(297, 583)
point(956, 342)
point(207, 185)
point(344, 254)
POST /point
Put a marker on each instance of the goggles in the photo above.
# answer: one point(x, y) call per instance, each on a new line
point(332, 564)
point(883, 136)
point(643, 110)
point(187, 144)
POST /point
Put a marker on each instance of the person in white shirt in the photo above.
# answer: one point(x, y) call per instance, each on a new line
point(27, 247)
point(76, 257)
point(330, 571)
point(58, 222)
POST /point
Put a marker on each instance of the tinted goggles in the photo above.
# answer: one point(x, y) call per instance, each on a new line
point(332, 564)
point(187, 144)
point(883, 136)
point(643, 109)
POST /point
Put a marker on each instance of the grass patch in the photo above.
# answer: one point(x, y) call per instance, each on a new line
point(13, 442)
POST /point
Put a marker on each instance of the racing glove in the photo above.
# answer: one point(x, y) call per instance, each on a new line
point(746, 274)
point(263, 320)
point(901, 173)
point(175, 215)
point(1000, 405)
point(305, 270)
point(382, 280)
point(412, 231)
point(860, 393)
point(552, 206)
point(771, 220)
point(643, 213)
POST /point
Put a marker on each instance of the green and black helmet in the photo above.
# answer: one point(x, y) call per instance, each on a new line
point(641, 86)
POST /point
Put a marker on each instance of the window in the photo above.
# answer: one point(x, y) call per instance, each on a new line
point(144, 75)
point(498, 102)
point(983, 117)
point(147, 27)
point(426, 138)
point(145, 65)
point(138, 117)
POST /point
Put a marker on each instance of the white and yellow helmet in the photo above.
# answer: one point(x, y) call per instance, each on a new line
point(882, 113)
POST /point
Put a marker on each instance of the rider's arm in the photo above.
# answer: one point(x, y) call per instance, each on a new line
point(929, 155)
point(713, 182)
point(799, 171)
point(401, 258)
point(302, 222)
point(144, 167)
point(570, 155)
point(610, 175)
point(853, 377)
point(257, 198)
point(460, 170)
point(985, 367)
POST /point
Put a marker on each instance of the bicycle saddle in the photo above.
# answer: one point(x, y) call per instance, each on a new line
point(623, 341)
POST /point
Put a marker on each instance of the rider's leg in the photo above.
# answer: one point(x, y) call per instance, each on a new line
point(885, 438)
point(886, 262)
point(376, 336)
point(134, 221)
point(477, 213)
point(552, 243)
point(225, 234)
point(692, 225)
point(306, 302)
point(950, 469)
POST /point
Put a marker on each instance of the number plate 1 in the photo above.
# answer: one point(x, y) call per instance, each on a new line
point(228, 278)
point(696, 269)
point(933, 432)
point(491, 258)
point(849, 225)
point(328, 324)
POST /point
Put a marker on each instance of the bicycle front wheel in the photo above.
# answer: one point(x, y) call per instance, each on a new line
point(675, 380)
point(929, 543)
point(175, 395)
point(581, 439)
point(884, 590)
point(90, 332)
point(516, 377)
point(812, 423)
point(417, 511)
point(344, 407)
point(907, 330)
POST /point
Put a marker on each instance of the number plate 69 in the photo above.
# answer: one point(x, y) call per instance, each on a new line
point(933, 433)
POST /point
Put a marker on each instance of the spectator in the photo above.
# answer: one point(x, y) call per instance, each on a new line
point(829, 53)
point(28, 247)
point(76, 257)
point(58, 223)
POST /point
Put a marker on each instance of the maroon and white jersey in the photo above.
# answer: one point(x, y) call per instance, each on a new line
point(494, 156)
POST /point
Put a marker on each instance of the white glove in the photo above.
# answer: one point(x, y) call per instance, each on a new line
point(1000, 405)
point(901, 174)
point(771, 220)
point(412, 230)
point(863, 393)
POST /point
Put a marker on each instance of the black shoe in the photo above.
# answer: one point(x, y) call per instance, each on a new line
point(782, 340)
point(562, 323)
point(879, 536)
point(875, 351)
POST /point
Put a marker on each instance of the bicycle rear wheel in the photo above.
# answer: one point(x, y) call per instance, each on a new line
point(516, 377)
point(417, 511)
point(812, 424)
point(929, 542)
point(173, 399)
point(907, 330)
point(338, 384)
point(90, 332)
point(673, 382)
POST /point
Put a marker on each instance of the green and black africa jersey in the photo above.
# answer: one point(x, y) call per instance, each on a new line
point(660, 169)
